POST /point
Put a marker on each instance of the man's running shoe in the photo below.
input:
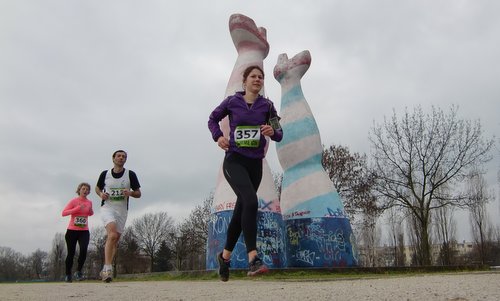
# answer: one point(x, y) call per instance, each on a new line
point(106, 276)
point(223, 267)
point(68, 279)
point(257, 267)
point(79, 276)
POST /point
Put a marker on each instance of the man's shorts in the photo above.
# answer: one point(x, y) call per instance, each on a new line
point(112, 215)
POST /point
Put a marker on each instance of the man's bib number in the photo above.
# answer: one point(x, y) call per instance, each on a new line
point(116, 194)
point(80, 221)
point(247, 136)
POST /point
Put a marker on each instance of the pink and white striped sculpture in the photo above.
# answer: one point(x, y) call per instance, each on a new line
point(318, 233)
point(252, 47)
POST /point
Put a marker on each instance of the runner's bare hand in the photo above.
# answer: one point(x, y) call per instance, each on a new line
point(267, 130)
point(223, 143)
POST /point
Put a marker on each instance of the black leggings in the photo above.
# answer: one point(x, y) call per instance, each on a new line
point(72, 237)
point(243, 175)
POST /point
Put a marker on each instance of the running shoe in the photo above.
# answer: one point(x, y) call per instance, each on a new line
point(223, 267)
point(68, 279)
point(257, 267)
point(106, 276)
point(79, 276)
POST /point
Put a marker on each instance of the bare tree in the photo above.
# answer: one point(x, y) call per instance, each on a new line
point(370, 239)
point(396, 234)
point(415, 155)
point(57, 256)
point(479, 197)
point(191, 237)
point(129, 259)
point(10, 264)
point(445, 230)
point(151, 230)
point(180, 245)
point(95, 254)
point(352, 179)
point(414, 239)
point(38, 263)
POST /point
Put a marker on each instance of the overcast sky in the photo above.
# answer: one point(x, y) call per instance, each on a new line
point(80, 79)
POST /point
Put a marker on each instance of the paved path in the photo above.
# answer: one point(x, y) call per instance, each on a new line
point(458, 286)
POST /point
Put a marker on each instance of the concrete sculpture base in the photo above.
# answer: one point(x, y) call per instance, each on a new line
point(270, 238)
point(320, 242)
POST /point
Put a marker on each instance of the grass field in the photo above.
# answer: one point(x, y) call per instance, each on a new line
point(306, 274)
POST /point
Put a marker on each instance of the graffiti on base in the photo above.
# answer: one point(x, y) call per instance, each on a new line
point(305, 256)
point(295, 214)
point(329, 243)
point(270, 240)
point(218, 224)
point(319, 242)
point(335, 213)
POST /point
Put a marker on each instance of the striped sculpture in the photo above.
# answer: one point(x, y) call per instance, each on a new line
point(318, 233)
point(252, 47)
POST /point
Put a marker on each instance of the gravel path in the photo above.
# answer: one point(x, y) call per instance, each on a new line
point(458, 286)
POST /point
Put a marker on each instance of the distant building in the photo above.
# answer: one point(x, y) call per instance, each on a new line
point(387, 255)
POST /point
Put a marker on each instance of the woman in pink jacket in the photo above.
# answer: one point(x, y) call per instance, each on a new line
point(80, 209)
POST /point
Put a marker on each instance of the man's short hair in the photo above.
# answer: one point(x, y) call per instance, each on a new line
point(119, 151)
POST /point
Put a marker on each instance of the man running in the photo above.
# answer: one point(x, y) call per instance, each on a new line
point(114, 187)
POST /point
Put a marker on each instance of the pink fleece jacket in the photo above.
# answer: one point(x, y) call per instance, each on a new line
point(79, 215)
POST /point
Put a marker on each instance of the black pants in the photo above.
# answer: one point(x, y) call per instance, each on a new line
point(72, 237)
point(243, 175)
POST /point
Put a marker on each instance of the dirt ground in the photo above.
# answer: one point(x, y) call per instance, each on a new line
point(457, 286)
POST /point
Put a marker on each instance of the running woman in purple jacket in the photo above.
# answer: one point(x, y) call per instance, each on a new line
point(252, 117)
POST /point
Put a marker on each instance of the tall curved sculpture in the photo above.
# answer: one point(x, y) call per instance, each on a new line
point(252, 47)
point(318, 233)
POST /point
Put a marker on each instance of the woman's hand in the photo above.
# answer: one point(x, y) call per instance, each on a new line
point(223, 143)
point(267, 130)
